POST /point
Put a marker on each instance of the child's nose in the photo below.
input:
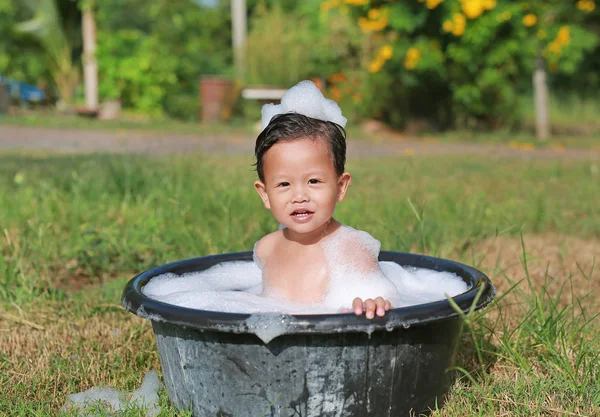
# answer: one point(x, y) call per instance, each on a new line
point(300, 195)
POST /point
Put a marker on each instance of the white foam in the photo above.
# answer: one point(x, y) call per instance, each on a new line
point(112, 400)
point(305, 98)
point(353, 270)
point(403, 286)
point(146, 396)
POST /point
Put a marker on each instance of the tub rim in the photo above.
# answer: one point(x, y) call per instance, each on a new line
point(480, 294)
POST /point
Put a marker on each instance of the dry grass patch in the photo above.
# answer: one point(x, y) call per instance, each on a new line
point(75, 350)
point(561, 264)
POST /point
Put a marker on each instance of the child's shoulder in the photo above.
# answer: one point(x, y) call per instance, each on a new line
point(355, 240)
point(266, 244)
point(352, 250)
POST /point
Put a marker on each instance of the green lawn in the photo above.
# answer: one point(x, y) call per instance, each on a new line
point(74, 229)
point(56, 120)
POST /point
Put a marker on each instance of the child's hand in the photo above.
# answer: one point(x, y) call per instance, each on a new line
point(371, 307)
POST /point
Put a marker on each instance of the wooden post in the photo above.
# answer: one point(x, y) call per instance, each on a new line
point(540, 91)
point(239, 30)
point(90, 64)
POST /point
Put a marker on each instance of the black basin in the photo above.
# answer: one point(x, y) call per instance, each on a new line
point(226, 364)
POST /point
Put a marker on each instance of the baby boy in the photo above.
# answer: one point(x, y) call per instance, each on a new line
point(313, 258)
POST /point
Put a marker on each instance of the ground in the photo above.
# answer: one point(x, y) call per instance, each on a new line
point(156, 142)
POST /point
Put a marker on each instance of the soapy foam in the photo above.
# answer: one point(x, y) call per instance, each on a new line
point(305, 98)
point(112, 400)
point(352, 269)
point(411, 286)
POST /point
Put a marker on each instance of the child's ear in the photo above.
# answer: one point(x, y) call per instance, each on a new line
point(262, 192)
point(343, 183)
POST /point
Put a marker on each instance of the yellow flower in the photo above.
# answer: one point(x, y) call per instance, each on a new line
point(432, 4)
point(459, 19)
point(448, 26)
point(458, 30)
point(376, 65)
point(530, 20)
point(563, 37)
point(356, 2)
point(411, 60)
point(472, 8)
point(459, 22)
point(329, 4)
point(587, 6)
point(377, 20)
point(373, 14)
point(489, 4)
point(555, 48)
point(385, 52)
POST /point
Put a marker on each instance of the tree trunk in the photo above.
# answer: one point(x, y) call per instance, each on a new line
point(540, 91)
point(90, 65)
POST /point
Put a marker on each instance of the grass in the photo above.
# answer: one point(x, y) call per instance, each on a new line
point(567, 111)
point(574, 123)
point(74, 229)
point(51, 119)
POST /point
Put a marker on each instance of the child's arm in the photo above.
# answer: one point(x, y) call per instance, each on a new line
point(359, 251)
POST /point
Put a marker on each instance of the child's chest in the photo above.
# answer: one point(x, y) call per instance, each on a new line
point(299, 274)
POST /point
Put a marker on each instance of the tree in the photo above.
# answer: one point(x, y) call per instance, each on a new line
point(46, 27)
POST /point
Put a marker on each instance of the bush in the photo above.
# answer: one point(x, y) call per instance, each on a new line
point(468, 60)
point(151, 55)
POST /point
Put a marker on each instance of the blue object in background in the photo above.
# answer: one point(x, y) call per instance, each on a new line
point(22, 91)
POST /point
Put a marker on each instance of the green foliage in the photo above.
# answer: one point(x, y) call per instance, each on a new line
point(473, 58)
point(279, 48)
point(135, 68)
point(452, 62)
point(151, 56)
point(47, 28)
point(19, 54)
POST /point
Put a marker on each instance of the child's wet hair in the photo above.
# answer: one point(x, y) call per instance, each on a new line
point(291, 126)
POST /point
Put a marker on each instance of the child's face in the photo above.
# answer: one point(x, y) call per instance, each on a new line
point(301, 186)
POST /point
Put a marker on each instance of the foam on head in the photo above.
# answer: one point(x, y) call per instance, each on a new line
point(305, 98)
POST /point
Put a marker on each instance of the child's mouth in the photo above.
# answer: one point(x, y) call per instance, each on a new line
point(302, 215)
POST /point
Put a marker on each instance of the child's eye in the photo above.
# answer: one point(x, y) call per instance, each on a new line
point(313, 181)
point(283, 184)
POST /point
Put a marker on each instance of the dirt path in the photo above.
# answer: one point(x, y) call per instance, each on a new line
point(141, 142)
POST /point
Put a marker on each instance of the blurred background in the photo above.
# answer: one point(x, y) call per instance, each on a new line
point(410, 66)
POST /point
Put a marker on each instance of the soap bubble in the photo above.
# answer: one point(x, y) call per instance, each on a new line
point(353, 271)
point(305, 98)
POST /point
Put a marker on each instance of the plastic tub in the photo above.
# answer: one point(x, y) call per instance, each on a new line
point(224, 364)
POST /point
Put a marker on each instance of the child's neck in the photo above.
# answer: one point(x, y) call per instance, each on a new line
point(313, 237)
